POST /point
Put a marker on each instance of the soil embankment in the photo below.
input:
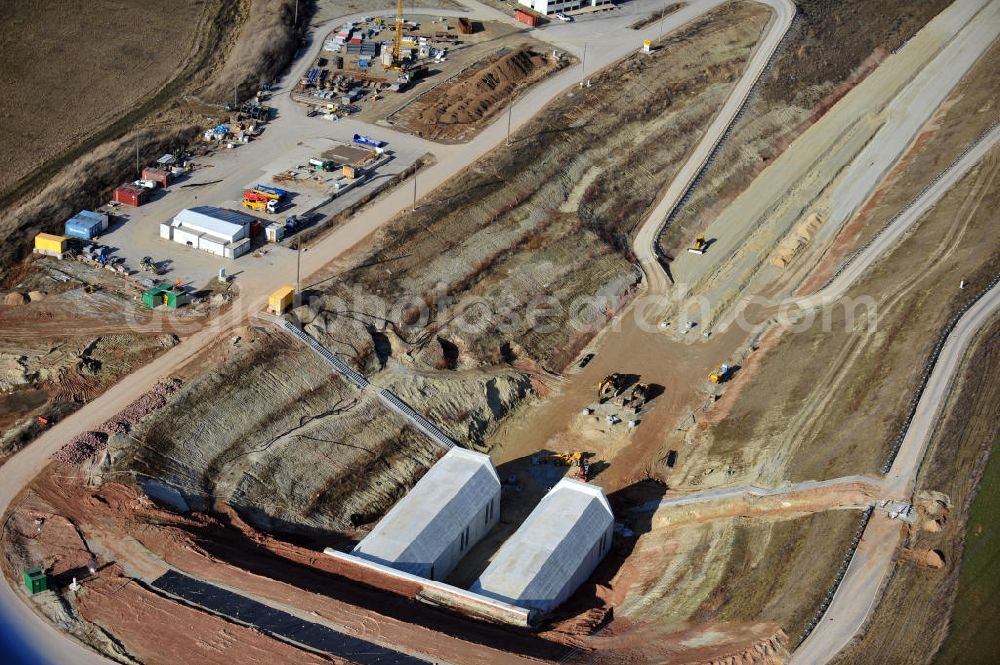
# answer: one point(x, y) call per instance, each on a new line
point(456, 109)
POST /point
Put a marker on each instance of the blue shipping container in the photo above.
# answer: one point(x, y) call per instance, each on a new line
point(85, 225)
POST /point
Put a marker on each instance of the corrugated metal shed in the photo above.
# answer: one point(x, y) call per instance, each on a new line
point(445, 514)
point(554, 551)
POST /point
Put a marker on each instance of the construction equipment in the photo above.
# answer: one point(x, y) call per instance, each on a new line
point(699, 244)
point(270, 192)
point(256, 200)
point(637, 398)
point(610, 387)
point(567, 459)
point(719, 375)
point(147, 263)
point(322, 164)
point(397, 38)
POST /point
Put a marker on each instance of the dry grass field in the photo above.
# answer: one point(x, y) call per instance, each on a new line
point(71, 69)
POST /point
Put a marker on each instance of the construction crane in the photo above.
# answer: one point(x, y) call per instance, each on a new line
point(397, 38)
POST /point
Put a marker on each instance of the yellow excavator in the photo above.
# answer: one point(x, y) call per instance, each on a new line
point(567, 459)
point(719, 375)
point(610, 387)
point(699, 244)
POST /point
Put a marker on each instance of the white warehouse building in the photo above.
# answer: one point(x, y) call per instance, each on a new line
point(553, 6)
point(556, 549)
point(446, 513)
point(219, 231)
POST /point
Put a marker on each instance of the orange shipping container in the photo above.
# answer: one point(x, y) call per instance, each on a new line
point(525, 17)
point(156, 175)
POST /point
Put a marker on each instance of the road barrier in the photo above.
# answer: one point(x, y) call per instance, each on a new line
point(844, 565)
point(710, 158)
point(929, 367)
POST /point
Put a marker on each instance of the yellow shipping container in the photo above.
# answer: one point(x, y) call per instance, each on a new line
point(280, 300)
point(46, 242)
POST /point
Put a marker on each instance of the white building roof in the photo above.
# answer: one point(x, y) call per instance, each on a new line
point(553, 551)
point(219, 222)
point(425, 522)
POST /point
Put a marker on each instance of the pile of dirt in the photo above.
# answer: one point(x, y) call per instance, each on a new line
point(470, 99)
point(13, 299)
point(456, 108)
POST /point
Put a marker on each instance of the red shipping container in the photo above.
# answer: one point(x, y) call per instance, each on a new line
point(525, 17)
point(156, 175)
point(131, 195)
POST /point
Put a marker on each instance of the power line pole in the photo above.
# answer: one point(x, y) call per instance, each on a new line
point(137, 169)
point(298, 270)
point(510, 112)
point(583, 63)
point(414, 190)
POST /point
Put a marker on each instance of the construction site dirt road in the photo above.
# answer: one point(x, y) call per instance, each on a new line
point(29, 465)
point(23, 467)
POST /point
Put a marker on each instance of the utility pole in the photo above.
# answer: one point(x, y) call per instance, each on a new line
point(236, 101)
point(137, 169)
point(414, 190)
point(583, 63)
point(298, 270)
point(510, 112)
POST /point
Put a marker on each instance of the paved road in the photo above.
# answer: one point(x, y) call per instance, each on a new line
point(884, 241)
point(646, 238)
point(18, 617)
point(724, 493)
point(858, 593)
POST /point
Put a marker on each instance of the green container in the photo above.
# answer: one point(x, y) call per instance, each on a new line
point(164, 295)
point(36, 580)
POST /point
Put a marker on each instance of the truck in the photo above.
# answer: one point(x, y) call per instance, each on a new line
point(322, 164)
point(368, 141)
point(258, 201)
point(270, 192)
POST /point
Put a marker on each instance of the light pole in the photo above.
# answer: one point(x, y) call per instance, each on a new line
point(583, 63)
